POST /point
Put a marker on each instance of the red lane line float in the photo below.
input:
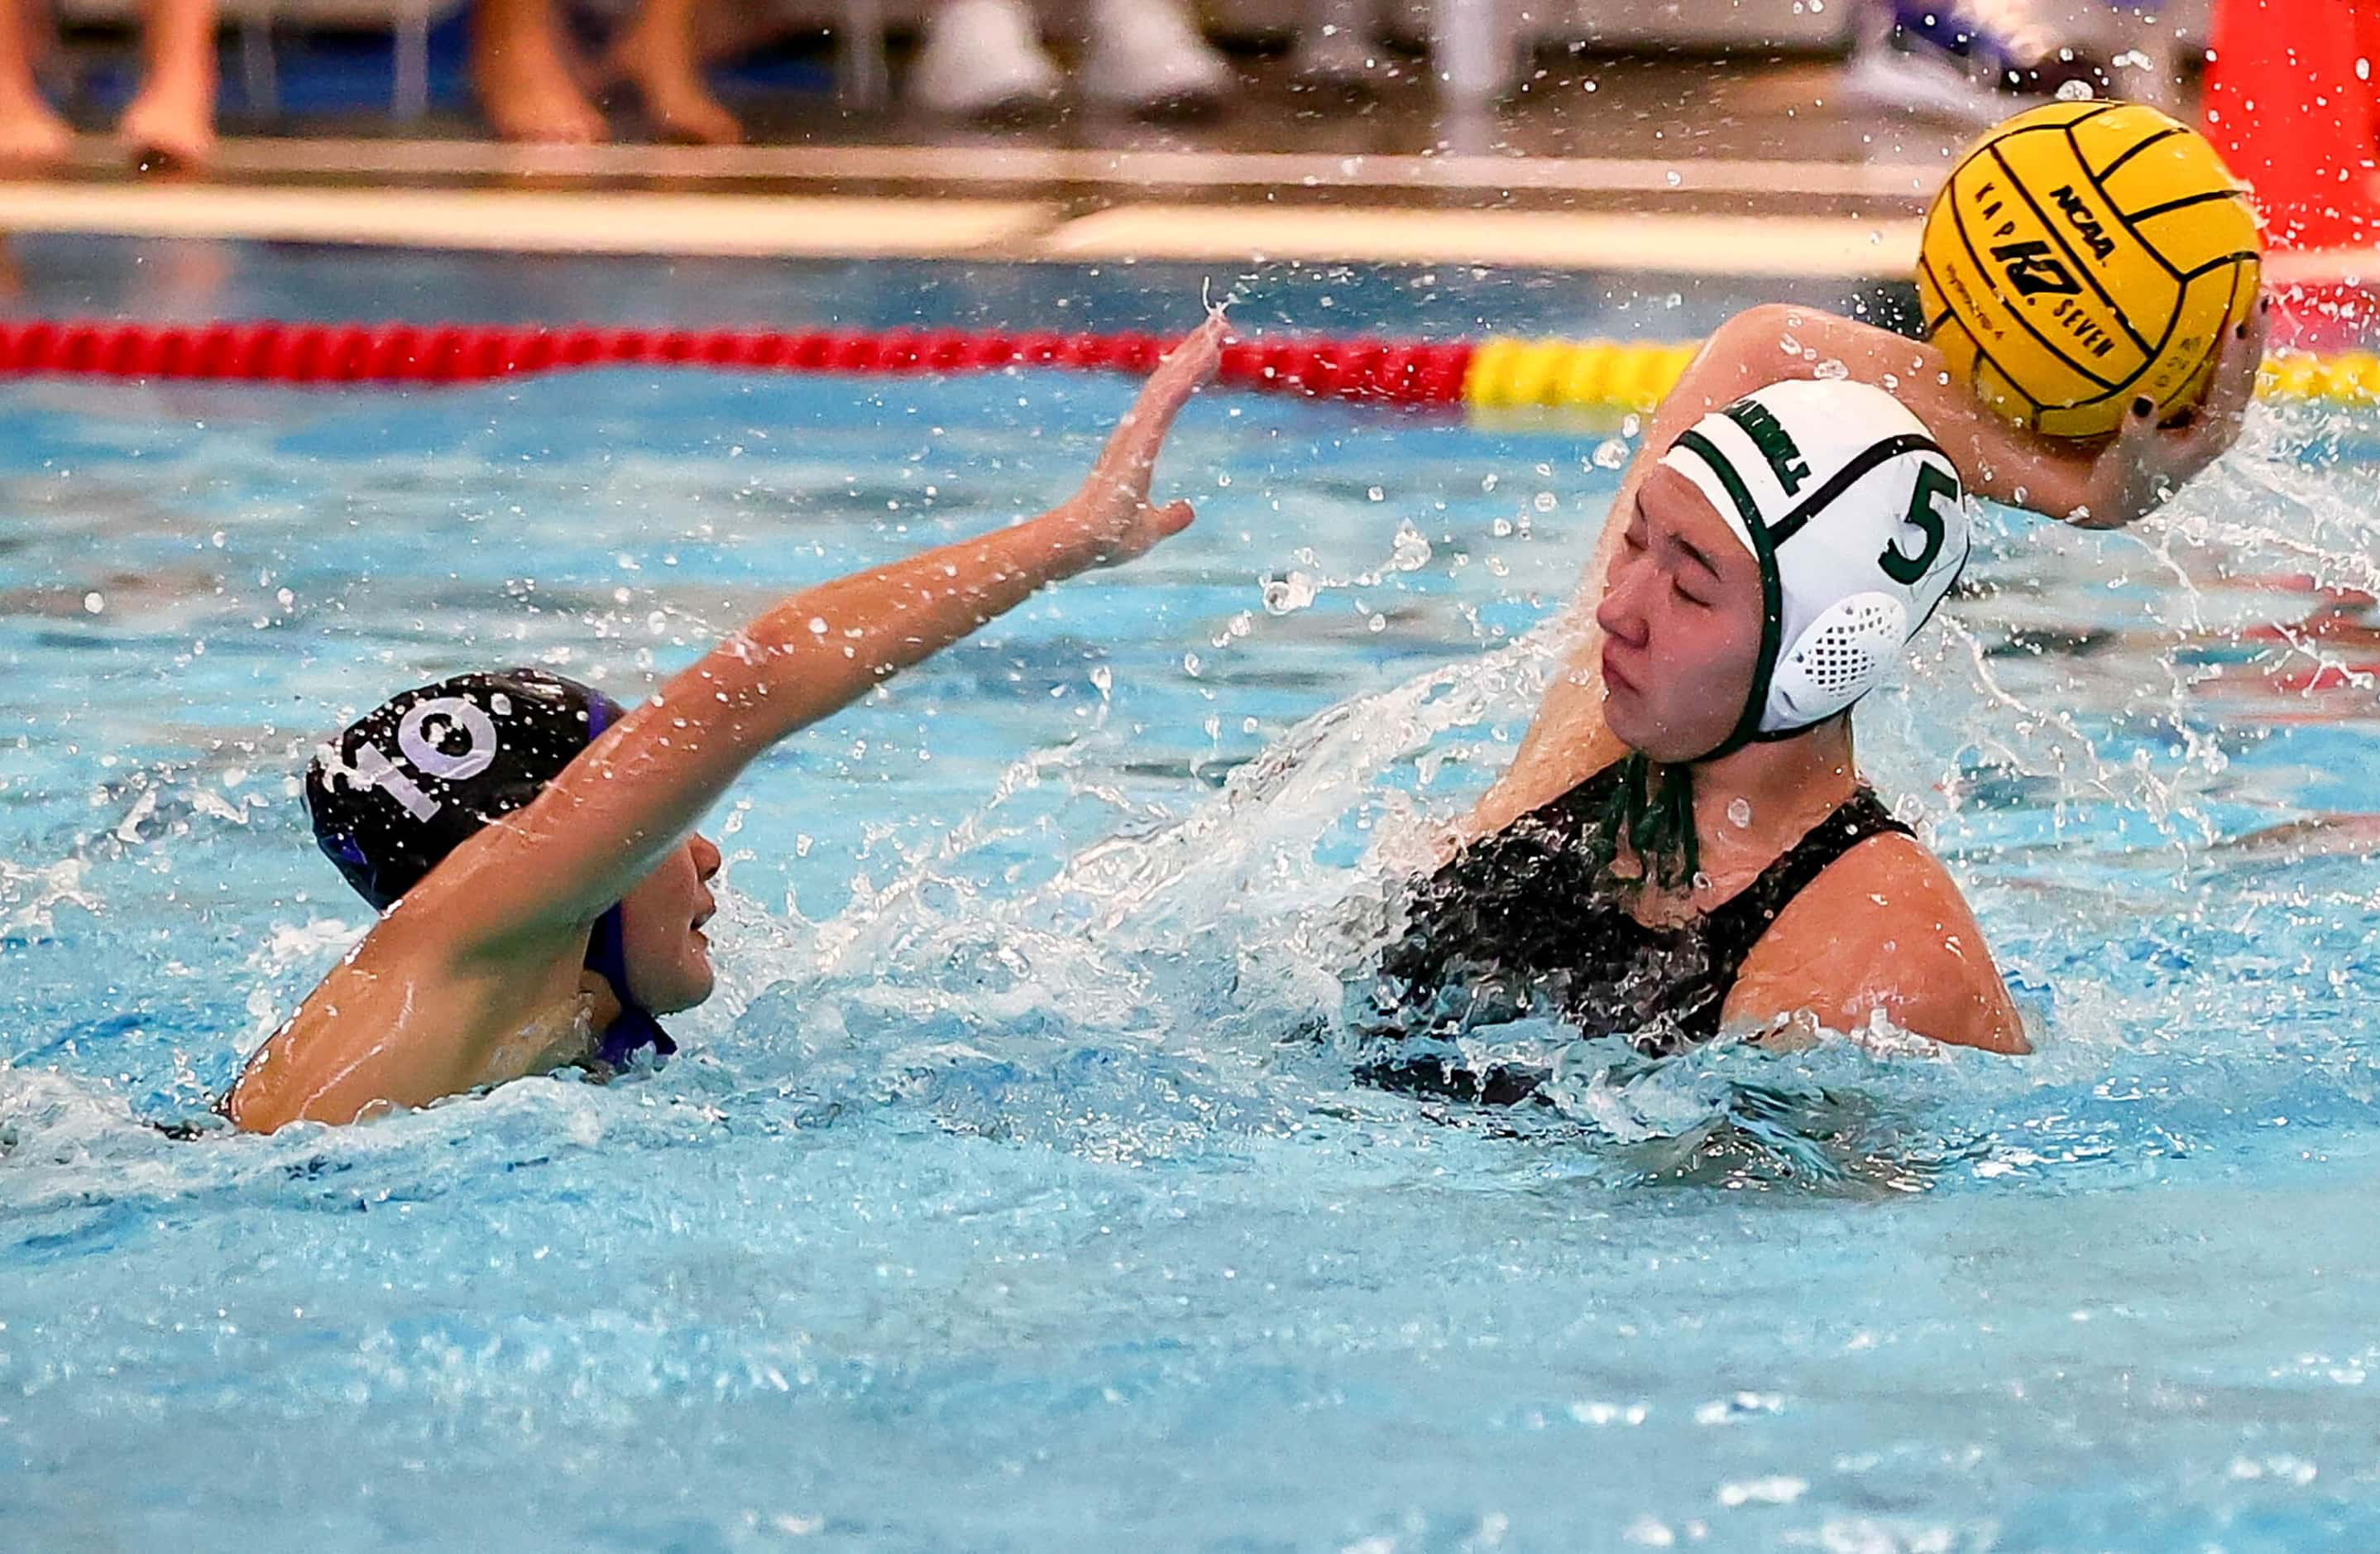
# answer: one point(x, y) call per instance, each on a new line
point(271, 351)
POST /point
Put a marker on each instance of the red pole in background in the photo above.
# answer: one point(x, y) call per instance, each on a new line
point(2293, 101)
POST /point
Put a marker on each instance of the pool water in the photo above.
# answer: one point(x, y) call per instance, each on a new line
point(1015, 1194)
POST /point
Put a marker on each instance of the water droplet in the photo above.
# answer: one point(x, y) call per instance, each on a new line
point(1611, 454)
point(1283, 595)
point(1411, 548)
point(1103, 679)
point(1544, 502)
point(93, 602)
point(1377, 622)
point(1739, 813)
point(1831, 371)
point(1376, 495)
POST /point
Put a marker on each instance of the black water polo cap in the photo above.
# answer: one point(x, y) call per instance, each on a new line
point(405, 785)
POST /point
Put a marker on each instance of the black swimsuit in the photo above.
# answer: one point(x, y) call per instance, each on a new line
point(1522, 924)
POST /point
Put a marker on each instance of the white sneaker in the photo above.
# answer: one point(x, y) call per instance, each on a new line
point(1146, 56)
point(2025, 42)
point(1920, 81)
point(2010, 35)
point(982, 57)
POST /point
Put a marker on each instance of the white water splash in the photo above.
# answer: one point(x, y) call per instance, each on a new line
point(31, 895)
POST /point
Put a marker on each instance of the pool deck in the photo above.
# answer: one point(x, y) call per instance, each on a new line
point(1681, 168)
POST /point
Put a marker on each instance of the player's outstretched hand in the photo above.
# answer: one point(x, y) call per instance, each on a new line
point(1114, 503)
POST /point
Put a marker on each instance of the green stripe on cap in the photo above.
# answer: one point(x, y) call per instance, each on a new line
point(1850, 475)
point(1772, 591)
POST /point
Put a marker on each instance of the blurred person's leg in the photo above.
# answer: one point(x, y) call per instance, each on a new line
point(521, 65)
point(1476, 50)
point(1148, 56)
point(31, 130)
point(662, 52)
point(982, 58)
point(172, 119)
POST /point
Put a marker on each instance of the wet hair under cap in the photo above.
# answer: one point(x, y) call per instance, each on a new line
point(421, 775)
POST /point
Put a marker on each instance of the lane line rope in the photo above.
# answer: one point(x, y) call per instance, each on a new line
point(1500, 373)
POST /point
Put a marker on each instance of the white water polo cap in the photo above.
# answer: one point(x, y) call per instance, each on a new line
point(1859, 523)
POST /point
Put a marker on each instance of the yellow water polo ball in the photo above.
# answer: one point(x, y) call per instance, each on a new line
point(2083, 256)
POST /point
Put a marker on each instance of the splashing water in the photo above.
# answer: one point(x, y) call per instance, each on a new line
point(1015, 1189)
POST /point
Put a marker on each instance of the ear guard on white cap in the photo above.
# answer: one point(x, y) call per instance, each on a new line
point(1857, 518)
point(1840, 659)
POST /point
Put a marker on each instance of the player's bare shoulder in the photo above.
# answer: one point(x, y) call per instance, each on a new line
point(1885, 928)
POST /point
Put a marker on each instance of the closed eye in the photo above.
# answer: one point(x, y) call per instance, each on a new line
point(1696, 559)
point(1692, 571)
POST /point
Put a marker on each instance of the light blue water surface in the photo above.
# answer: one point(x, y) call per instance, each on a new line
point(1015, 1194)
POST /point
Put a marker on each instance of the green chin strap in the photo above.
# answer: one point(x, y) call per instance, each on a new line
point(1653, 810)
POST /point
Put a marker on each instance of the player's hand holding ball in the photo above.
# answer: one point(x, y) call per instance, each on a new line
point(2091, 270)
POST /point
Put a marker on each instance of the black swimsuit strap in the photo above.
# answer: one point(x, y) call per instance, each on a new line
point(1737, 923)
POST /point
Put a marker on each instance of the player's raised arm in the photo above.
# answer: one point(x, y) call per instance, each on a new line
point(529, 839)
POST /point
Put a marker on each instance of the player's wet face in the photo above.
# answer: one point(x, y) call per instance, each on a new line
point(1681, 616)
point(661, 920)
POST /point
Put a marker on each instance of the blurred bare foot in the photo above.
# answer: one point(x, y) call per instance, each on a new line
point(684, 110)
point(520, 66)
point(31, 134)
point(658, 54)
point(542, 110)
point(172, 123)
